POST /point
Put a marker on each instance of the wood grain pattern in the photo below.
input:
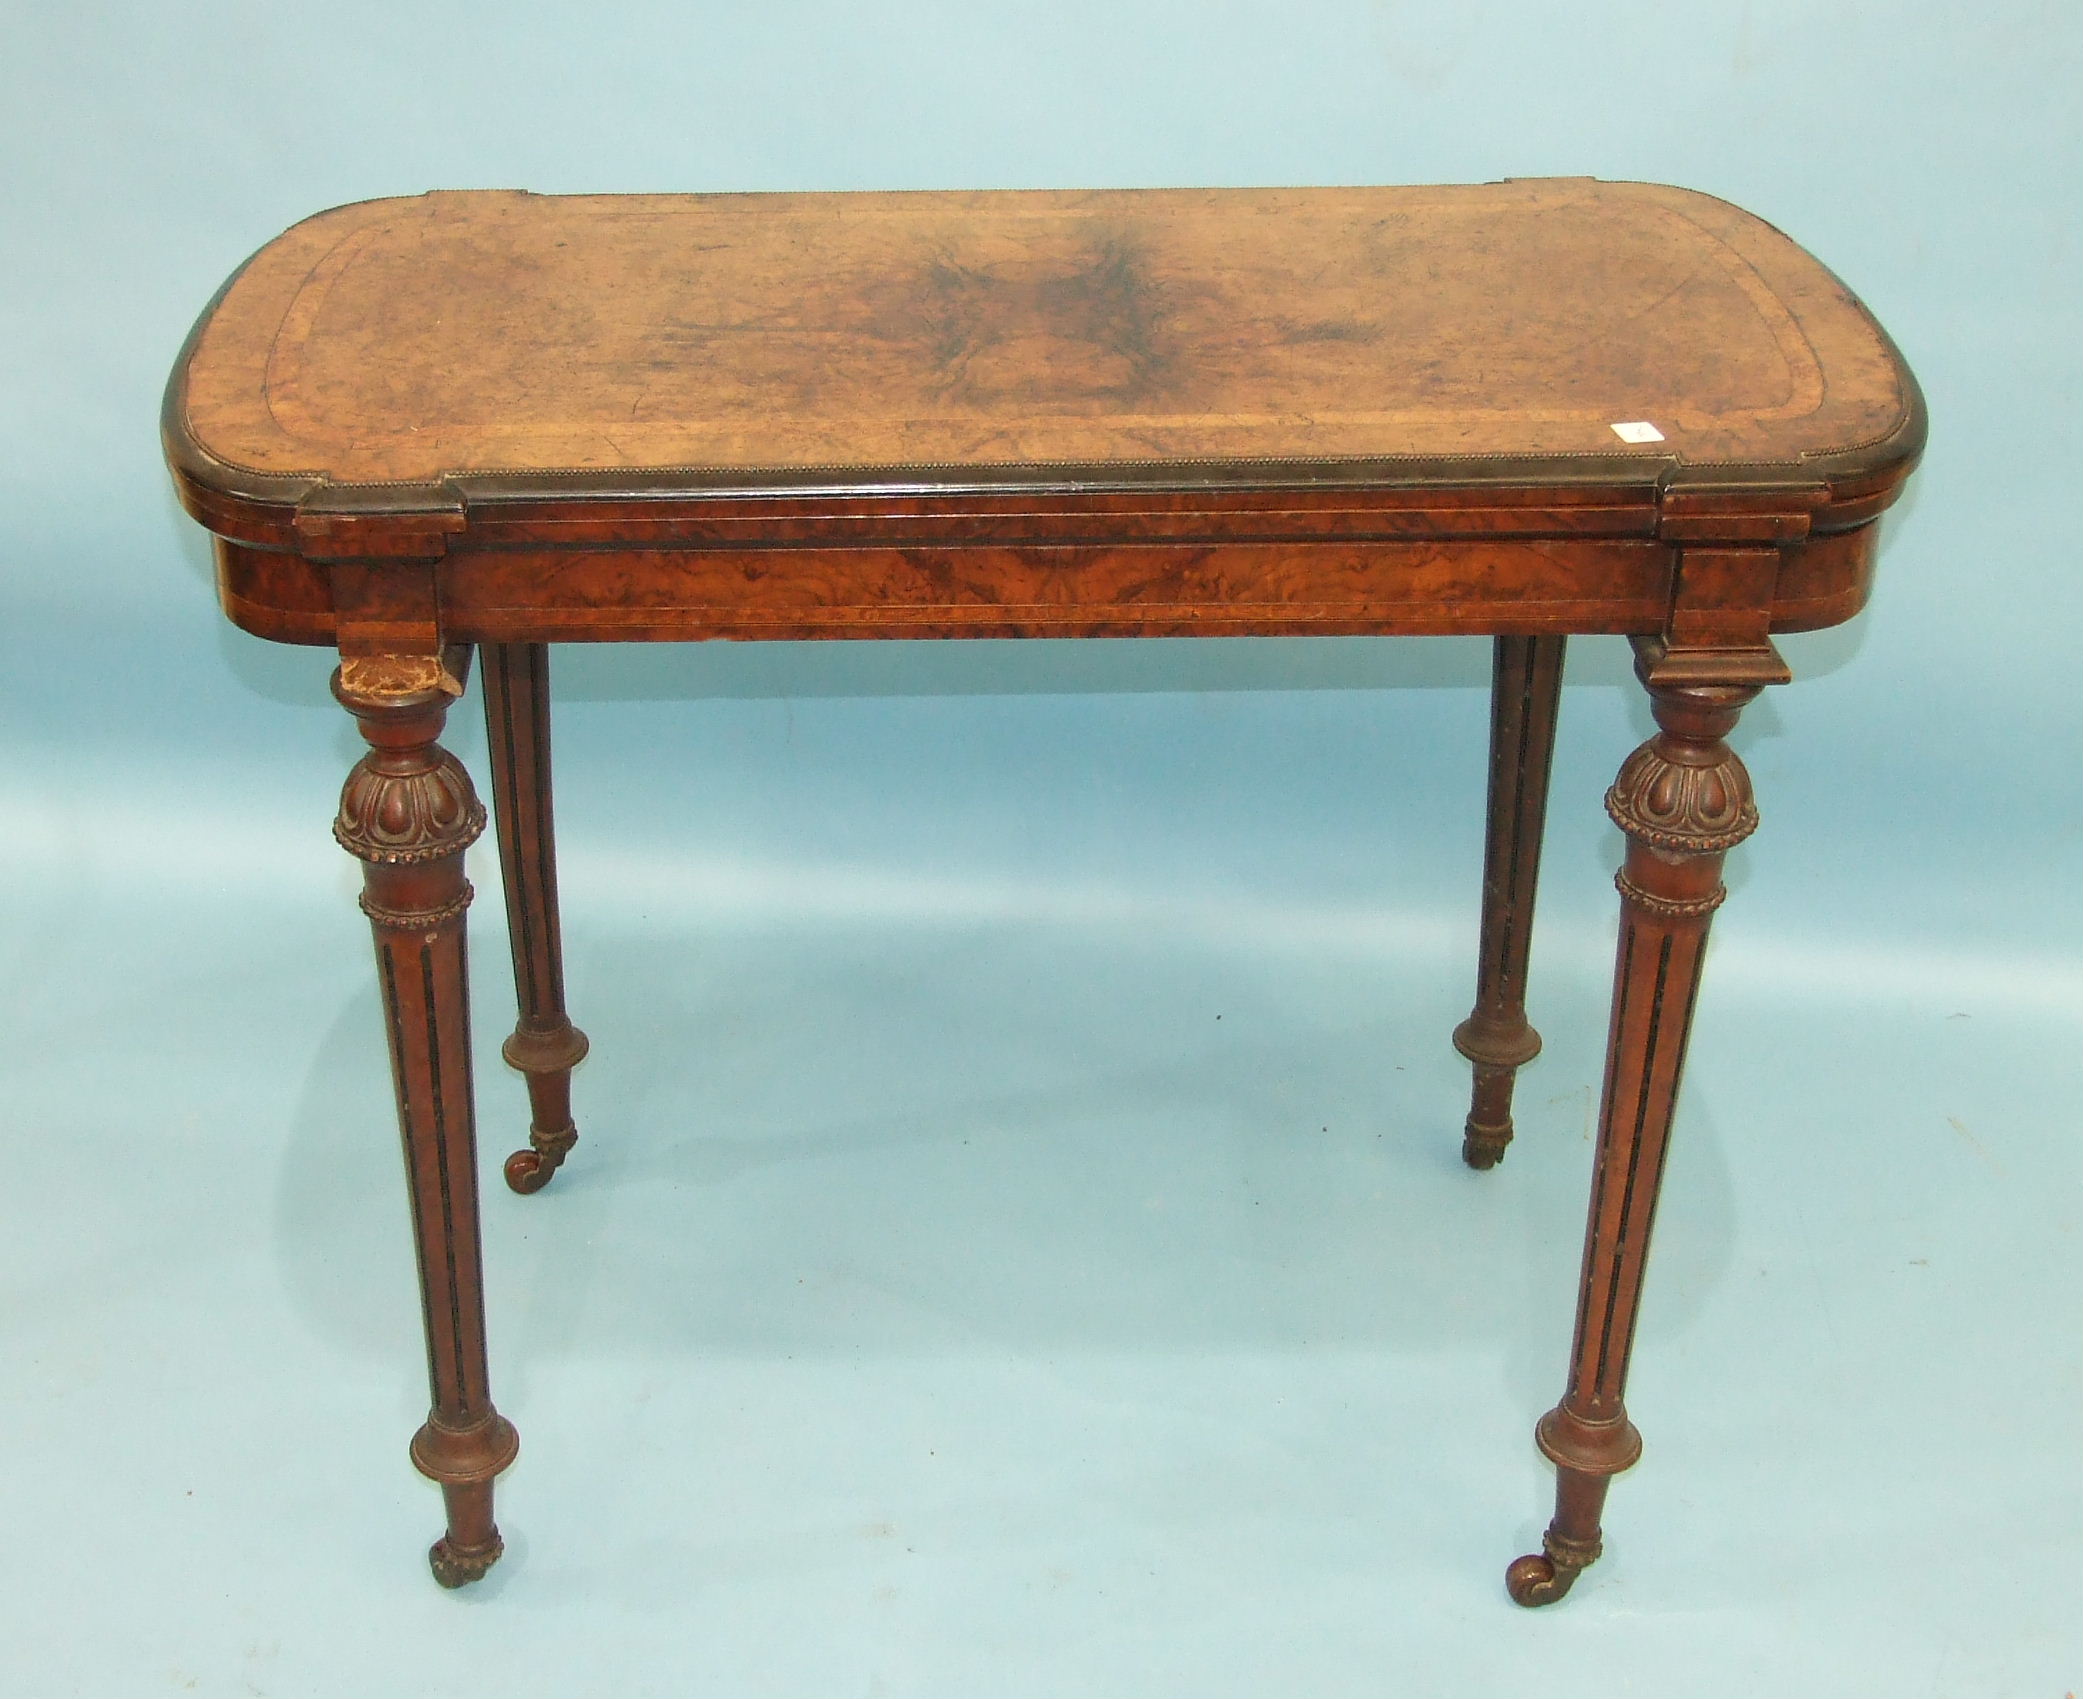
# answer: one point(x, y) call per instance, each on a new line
point(609, 592)
point(1128, 413)
point(510, 420)
point(399, 341)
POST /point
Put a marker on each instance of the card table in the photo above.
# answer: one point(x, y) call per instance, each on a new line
point(465, 423)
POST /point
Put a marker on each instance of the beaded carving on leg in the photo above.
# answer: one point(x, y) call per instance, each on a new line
point(1684, 800)
point(407, 813)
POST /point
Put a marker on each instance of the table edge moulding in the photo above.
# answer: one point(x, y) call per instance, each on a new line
point(459, 427)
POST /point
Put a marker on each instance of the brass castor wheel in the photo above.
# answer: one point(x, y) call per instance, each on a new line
point(1538, 1580)
point(528, 1171)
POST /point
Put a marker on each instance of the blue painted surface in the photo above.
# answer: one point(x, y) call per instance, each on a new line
point(1019, 1245)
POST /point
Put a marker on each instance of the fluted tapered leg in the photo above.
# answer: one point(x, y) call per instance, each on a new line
point(408, 812)
point(1684, 801)
point(1526, 686)
point(545, 1046)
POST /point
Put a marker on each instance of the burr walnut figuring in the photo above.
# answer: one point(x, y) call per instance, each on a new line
point(486, 422)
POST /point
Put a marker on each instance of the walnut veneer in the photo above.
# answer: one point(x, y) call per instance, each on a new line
point(422, 427)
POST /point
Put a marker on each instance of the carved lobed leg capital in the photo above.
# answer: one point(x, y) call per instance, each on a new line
point(1684, 800)
point(408, 802)
point(408, 812)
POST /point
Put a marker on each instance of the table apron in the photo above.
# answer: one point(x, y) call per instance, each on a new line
point(1371, 586)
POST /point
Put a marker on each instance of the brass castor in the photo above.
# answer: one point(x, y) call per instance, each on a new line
point(1542, 1577)
point(1538, 1580)
point(530, 1170)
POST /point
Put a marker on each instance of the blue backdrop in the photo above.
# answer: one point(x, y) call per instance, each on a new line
point(1019, 1244)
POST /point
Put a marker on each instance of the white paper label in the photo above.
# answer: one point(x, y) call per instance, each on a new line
point(1637, 430)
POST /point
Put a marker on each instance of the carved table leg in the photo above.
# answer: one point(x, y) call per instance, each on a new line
point(408, 812)
point(545, 1046)
point(1526, 685)
point(1684, 800)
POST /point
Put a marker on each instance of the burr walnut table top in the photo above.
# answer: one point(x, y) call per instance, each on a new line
point(405, 340)
point(1566, 358)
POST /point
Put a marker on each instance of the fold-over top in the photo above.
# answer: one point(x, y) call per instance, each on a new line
point(629, 341)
